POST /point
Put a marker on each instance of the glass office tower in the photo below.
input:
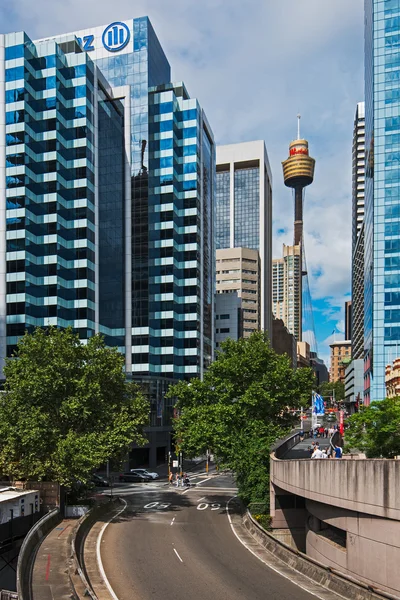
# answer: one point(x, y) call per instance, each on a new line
point(382, 193)
point(108, 171)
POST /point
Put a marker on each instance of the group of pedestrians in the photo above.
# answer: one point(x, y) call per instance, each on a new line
point(323, 432)
point(317, 452)
point(179, 480)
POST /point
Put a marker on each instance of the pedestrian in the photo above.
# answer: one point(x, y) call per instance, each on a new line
point(326, 432)
point(170, 477)
point(177, 479)
point(324, 453)
point(338, 452)
point(301, 435)
point(317, 453)
point(310, 450)
point(321, 431)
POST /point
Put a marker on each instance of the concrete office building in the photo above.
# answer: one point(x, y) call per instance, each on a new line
point(284, 342)
point(278, 288)
point(382, 193)
point(108, 174)
point(244, 210)
point(228, 317)
point(238, 270)
point(354, 384)
point(358, 199)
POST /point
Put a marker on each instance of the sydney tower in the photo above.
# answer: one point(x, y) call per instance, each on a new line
point(298, 172)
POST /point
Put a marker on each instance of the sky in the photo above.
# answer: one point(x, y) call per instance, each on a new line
point(254, 65)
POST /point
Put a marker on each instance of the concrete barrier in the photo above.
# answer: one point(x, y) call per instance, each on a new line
point(28, 551)
point(337, 582)
point(76, 569)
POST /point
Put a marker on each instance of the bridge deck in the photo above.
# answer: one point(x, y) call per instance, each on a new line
point(301, 449)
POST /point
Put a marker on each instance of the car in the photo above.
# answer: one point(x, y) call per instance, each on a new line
point(145, 472)
point(134, 477)
point(99, 481)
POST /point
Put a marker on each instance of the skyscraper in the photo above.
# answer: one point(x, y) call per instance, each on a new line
point(244, 210)
point(108, 175)
point(357, 271)
point(382, 193)
point(287, 289)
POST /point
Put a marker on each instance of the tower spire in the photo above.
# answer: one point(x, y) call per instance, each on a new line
point(298, 126)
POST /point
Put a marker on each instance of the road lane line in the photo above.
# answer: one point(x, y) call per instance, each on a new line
point(303, 587)
point(172, 522)
point(203, 498)
point(178, 555)
point(204, 480)
point(98, 552)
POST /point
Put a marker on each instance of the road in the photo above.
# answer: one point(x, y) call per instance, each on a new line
point(178, 544)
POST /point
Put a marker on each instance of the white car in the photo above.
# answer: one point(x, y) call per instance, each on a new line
point(145, 472)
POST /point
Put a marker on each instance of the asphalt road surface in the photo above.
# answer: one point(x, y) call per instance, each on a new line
point(173, 545)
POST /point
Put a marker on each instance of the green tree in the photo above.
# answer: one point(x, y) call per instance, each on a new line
point(332, 388)
point(240, 408)
point(67, 407)
point(375, 429)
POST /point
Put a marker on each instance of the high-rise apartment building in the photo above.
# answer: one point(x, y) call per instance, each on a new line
point(348, 311)
point(244, 210)
point(382, 193)
point(287, 289)
point(108, 171)
point(357, 271)
point(238, 270)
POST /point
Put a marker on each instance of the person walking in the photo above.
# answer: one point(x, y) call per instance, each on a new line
point(177, 479)
point(170, 478)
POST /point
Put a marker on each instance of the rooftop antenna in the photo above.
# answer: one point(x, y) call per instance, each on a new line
point(298, 126)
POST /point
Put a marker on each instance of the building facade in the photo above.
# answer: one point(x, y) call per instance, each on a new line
point(340, 356)
point(244, 210)
point(392, 379)
point(238, 270)
point(108, 170)
point(287, 289)
point(382, 193)
point(354, 385)
point(348, 310)
point(284, 342)
point(228, 318)
point(358, 209)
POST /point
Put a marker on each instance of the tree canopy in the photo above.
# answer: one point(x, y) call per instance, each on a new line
point(375, 429)
point(240, 408)
point(328, 387)
point(67, 407)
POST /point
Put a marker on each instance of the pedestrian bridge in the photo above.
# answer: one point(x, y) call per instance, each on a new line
point(344, 513)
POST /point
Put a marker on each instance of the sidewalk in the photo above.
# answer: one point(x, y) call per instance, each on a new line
point(50, 578)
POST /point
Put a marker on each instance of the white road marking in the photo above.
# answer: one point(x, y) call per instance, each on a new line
point(303, 587)
point(98, 552)
point(204, 480)
point(172, 522)
point(203, 498)
point(202, 506)
point(178, 555)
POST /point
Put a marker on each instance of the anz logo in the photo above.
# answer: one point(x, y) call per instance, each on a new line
point(115, 37)
point(86, 42)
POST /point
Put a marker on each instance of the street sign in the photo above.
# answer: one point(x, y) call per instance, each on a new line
point(175, 464)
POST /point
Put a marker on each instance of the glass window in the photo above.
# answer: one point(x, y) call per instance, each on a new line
point(14, 52)
point(14, 74)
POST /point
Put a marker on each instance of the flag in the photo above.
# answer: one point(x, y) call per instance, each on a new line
point(319, 406)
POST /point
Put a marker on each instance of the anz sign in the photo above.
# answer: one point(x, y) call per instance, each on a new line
point(115, 38)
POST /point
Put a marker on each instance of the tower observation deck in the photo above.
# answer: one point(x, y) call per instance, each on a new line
point(298, 172)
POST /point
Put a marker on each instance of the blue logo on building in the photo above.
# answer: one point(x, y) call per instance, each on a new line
point(116, 36)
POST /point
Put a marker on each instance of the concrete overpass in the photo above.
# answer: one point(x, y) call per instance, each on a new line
point(344, 513)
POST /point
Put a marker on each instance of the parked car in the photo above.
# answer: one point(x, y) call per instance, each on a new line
point(134, 477)
point(145, 472)
point(99, 481)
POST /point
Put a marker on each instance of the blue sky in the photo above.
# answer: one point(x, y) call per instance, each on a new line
point(254, 65)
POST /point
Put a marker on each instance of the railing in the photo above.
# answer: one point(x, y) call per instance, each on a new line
point(5, 595)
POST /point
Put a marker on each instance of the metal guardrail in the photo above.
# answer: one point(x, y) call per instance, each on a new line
point(5, 595)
